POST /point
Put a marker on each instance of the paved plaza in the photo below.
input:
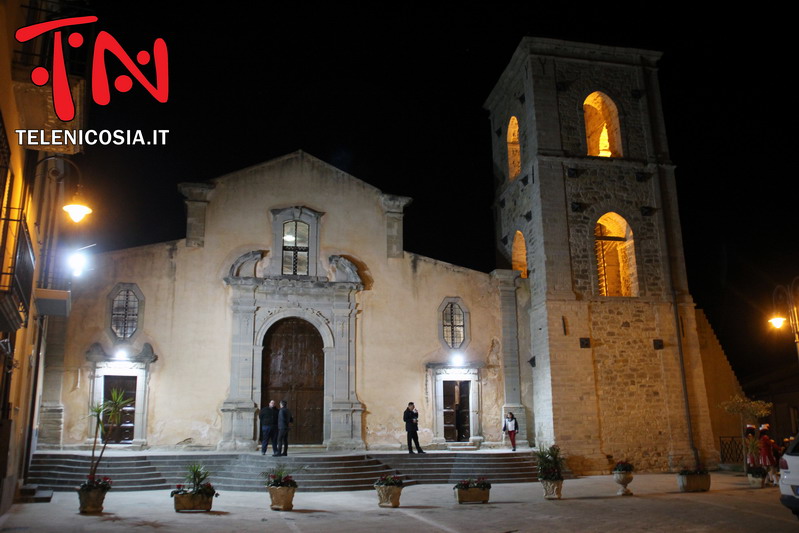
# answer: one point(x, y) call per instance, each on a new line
point(588, 504)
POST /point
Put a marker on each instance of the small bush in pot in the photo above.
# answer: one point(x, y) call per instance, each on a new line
point(281, 486)
point(472, 490)
point(623, 475)
point(389, 489)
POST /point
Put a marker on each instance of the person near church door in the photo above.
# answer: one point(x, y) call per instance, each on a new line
point(284, 421)
point(411, 419)
point(511, 426)
point(268, 417)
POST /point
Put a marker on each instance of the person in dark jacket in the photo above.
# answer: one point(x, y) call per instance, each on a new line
point(411, 418)
point(284, 421)
point(268, 419)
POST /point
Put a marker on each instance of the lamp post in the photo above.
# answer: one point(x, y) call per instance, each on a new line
point(75, 209)
point(785, 297)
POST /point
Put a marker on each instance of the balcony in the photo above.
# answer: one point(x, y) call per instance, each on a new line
point(16, 279)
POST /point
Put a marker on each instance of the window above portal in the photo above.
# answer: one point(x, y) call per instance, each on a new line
point(453, 322)
point(295, 248)
point(295, 232)
point(126, 306)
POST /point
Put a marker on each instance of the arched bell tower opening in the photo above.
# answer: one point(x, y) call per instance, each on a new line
point(293, 369)
point(602, 131)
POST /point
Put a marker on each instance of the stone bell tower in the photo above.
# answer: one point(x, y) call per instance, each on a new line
point(586, 209)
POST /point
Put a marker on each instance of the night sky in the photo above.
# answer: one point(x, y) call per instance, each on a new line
point(393, 96)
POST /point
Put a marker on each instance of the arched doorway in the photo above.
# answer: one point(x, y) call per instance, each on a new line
point(293, 369)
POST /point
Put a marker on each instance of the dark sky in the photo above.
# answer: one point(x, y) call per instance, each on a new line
point(393, 95)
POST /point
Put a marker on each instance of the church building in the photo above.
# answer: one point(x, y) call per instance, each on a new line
point(292, 283)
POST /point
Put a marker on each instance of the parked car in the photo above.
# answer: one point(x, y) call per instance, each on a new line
point(789, 477)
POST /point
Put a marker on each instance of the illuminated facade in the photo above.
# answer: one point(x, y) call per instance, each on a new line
point(292, 283)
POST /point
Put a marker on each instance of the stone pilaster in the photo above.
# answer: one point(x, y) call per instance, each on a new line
point(346, 412)
point(238, 409)
point(197, 197)
point(510, 351)
point(394, 206)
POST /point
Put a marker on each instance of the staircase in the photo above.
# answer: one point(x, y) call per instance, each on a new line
point(451, 467)
point(242, 472)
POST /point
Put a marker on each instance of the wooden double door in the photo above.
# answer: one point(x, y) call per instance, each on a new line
point(457, 411)
point(293, 369)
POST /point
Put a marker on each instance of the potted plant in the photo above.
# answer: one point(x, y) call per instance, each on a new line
point(389, 488)
point(198, 494)
point(693, 479)
point(281, 487)
point(550, 470)
point(756, 476)
point(623, 475)
point(472, 490)
point(91, 493)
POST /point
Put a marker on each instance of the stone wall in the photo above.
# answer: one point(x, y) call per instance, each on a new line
point(720, 380)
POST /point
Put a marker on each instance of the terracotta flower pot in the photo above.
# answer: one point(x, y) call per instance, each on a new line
point(552, 488)
point(282, 498)
point(91, 500)
point(193, 502)
point(623, 479)
point(388, 495)
point(472, 495)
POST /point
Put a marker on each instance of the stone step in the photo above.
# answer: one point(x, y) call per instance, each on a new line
point(64, 472)
point(38, 496)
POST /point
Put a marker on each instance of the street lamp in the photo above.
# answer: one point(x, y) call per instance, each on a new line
point(785, 297)
point(76, 209)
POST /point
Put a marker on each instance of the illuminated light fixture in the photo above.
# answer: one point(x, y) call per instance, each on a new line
point(785, 298)
point(77, 262)
point(121, 354)
point(777, 321)
point(77, 211)
point(289, 238)
point(457, 359)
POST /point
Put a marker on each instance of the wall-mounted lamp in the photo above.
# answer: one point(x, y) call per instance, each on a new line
point(76, 209)
point(785, 311)
point(78, 261)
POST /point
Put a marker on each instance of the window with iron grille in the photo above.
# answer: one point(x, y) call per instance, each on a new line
point(296, 248)
point(125, 314)
point(454, 325)
point(295, 231)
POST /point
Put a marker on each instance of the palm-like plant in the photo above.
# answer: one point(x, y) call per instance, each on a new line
point(197, 482)
point(111, 410)
point(550, 462)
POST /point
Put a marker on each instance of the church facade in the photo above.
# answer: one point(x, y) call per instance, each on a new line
point(292, 283)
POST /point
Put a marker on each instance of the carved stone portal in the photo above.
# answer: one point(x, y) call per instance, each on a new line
point(257, 304)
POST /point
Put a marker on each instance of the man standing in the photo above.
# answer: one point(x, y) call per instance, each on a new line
point(284, 421)
point(269, 427)
point(411, 418)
